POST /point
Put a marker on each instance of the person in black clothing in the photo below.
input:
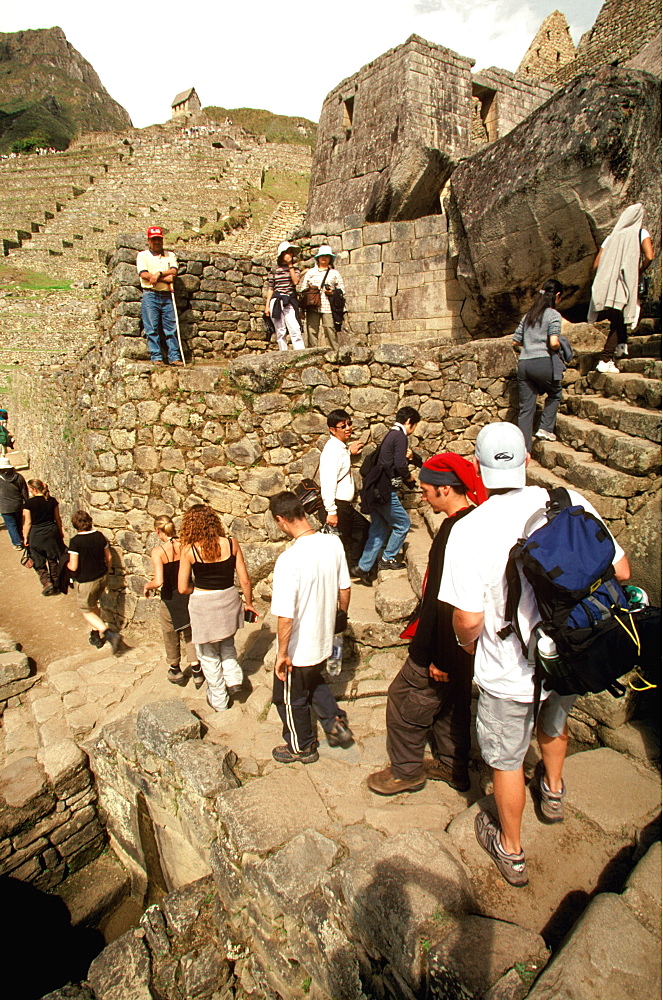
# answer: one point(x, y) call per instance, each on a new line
point(434, 685)
point(42, 534)
point(13, 494)
point(90, 562)
point(390, 522)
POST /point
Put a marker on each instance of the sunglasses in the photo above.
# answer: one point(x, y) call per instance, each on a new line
point(343, 426)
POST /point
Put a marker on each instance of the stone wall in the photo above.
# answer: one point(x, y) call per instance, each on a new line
point(509, 99)
point(153, 442)
point(219, 299)
point(400, 284)
point(49, 824)
point(552, 47)
point(621, 29)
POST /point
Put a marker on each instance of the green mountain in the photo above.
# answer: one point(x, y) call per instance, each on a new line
point(275, 128)
point(49, 93)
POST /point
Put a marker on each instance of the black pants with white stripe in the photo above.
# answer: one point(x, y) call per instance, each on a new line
point(303, 687)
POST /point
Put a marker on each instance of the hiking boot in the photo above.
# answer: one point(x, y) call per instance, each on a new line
point(235, 689)
point(175, 676)
point(392, 564)
point(384, 783)
point(437, 770)
point(512, 867)
point(608, 367)
point(96, 639)
point(198, 677)
point(114, 639)
point(551, 804)
point(340, 735)
point(364, 578)
point(47, 591)
point(545, 435)
point(284, 755)
point(354, 572)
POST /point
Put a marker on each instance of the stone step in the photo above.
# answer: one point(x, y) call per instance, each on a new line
point(611, 447)
point(637, 389)
point(416, 554)
point(583, 473)
point(622, 416)
point(649, 367)
point(610, 508)
point(394, 598)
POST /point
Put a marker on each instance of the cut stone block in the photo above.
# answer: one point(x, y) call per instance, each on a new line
point(122, 970)
point(161, 725)
point(205, 768)
point(294, 872)
point(635, 795)
point(62, 761)
point(14, 666)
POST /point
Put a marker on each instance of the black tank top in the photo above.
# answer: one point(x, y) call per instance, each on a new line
point(216, 575)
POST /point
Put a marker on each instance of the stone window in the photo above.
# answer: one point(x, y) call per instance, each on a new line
point(484, 116)
point(348, 112)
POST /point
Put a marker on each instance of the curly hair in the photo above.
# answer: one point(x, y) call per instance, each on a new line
point(202, 527)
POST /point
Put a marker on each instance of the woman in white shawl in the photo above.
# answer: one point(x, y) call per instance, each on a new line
point(615, 287)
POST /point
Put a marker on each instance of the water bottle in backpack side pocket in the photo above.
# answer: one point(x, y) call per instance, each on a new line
point(335, 660)
point(548, 656)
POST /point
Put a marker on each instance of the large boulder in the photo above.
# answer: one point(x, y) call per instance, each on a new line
point(538, 203)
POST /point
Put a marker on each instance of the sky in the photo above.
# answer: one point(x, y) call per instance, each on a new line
point(284, 57)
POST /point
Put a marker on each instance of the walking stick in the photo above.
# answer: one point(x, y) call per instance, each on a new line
point(177, 325)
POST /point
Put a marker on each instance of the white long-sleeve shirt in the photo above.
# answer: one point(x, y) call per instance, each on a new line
point(336, 482)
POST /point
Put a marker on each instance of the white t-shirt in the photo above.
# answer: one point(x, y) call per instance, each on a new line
point(307, 579)
point(336, 480)
point(473, 580)
point(153, 263)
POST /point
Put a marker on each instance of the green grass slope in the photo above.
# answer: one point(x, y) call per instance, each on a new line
point(275, 128)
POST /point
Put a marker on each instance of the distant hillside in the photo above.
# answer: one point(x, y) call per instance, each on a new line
point(49, 92)
point(275, 128)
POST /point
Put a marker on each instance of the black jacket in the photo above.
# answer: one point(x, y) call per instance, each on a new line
point(435, 641)
point(13, 491)
point(393, 456)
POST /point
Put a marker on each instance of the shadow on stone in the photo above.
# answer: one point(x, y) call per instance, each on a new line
point(42, 951)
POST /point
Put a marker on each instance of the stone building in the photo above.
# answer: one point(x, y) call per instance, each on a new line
point(551, 49)
point(390, 136)
point(186, 103)
point(622, 29)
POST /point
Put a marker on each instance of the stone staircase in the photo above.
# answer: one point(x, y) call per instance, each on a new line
point(285, 219)
point(609, 435)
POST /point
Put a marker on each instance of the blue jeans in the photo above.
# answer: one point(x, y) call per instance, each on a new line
point(14, 524)
point(389, 523)
point(157, 310)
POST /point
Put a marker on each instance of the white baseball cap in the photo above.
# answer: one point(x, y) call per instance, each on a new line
point(502, 456)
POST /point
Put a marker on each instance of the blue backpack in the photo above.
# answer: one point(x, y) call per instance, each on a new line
point(599, 637)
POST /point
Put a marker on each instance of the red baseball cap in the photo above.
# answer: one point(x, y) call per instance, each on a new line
point(154, 231)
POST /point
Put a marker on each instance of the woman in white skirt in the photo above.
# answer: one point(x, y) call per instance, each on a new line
point(208, 563)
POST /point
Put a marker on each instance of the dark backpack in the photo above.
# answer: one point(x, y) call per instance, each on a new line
point(376, 486)
point(599, 637)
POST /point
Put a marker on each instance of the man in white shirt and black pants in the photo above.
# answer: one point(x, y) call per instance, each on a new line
point(338, 488)
point(474, 584)
point(310, 597)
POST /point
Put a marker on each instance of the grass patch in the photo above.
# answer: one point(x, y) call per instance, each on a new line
point(275, 128)
point(23, 279)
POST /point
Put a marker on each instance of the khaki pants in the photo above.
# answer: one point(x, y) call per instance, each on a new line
point(320, 329)
point(171, 639)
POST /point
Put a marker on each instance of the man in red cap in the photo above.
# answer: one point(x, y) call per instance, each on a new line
point(434, 685)
point(157, 271)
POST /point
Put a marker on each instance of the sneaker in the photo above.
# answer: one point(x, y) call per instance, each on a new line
point(621, 351)
point(545, 435)
point(512, 867)
point(158, 361)
point(551, 804)
point(175, 676)
point(114, 639)
point(364, 578)
point(284, 755)
point(176, 364)
point(96, 639)
point(354, 571)
point(437, 770)
point(19, 547)
point(392, 564)
point(198, 677)
point(340, 735)
point(607, 367)
point(384, 783)
point(235, 689)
